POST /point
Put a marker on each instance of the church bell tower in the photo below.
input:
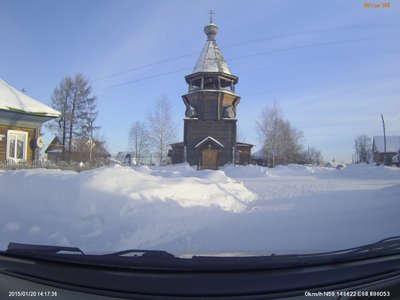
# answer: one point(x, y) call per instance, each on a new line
point(211, 105)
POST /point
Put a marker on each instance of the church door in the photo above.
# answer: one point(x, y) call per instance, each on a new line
point(209, 159)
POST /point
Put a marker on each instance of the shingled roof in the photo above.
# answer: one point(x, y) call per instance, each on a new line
point(211, 58)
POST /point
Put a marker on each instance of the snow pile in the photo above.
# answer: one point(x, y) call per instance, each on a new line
point(208, 188)
point(251, 171)
point(248, 171)
point(299, 170)
point(251, 209)
point(103, 208)
point(370, 171)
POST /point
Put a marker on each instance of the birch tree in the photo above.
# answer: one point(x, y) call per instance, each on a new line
point(162, 128)
point(281, 142)
point(138, 141)
point(362, 145)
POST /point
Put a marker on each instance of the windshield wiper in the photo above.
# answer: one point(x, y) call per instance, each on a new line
point(164, 260)
point(392, 243)
point(28, 249)
point(386, 246)
point(127, 258)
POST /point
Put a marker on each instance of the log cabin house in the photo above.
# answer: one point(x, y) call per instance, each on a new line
point(21, 119)
point(378, 148)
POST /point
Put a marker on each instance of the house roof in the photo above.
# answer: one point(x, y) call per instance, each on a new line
point(176, 144)
point(12, 99)
point(209, 139)
point(392, 144)
point(55, 146)
point(258, 154)
point(242, 144)
point(211, 58)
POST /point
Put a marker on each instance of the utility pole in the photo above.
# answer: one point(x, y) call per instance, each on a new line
point(384, 140)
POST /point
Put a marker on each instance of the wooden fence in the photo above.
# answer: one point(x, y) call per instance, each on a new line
point(73, 166)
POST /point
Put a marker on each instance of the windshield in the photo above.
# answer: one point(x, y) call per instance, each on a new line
point(254, 128)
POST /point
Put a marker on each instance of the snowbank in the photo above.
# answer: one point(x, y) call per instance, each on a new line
point(252, 171)
point(117, 202)
point(370, 171)
point(248, 171)
point(248, 209)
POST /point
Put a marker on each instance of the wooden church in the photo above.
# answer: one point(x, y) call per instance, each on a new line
point(209, 138)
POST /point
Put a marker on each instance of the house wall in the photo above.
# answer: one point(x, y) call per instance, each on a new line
point(244, 155)
point(32, 134)
point(223, 131)
point(176, 154)
point(379, 157)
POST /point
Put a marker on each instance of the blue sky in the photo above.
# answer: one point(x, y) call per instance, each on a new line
point(332, 66)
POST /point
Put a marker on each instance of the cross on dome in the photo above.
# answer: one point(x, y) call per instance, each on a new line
point(211, 13)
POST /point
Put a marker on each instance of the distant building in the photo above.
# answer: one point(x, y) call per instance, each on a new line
point(21, 118)
point(54, 152)
point(243, 153)
point(378, 148)
point(258, 158)
point(396, 160)
point(126, 158)
point(209, 137)
point(81, 151)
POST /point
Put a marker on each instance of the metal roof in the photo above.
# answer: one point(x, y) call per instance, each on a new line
point(13, 100)
point(211, 58)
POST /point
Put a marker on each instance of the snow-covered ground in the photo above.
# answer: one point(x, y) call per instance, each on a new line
point(288, 209)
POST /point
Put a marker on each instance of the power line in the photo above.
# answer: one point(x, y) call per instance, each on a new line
point(145, 66)
point(319, 85)
point(266, 67)
point(321, 59)
point(357, 27)
point(393, 119)
point(346, 28)
point(276, 66)
point(145, 78)
point(130, 95)
point(309, 46)
point(276, 90)
point(251, 55)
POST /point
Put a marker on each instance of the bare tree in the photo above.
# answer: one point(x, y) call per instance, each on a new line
point(281, 142)
point(72, 97)
point(60, 101)
point(162, 128)
point(138, 141)
point(313, 156)
point(240, 137)
point(362, 144)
